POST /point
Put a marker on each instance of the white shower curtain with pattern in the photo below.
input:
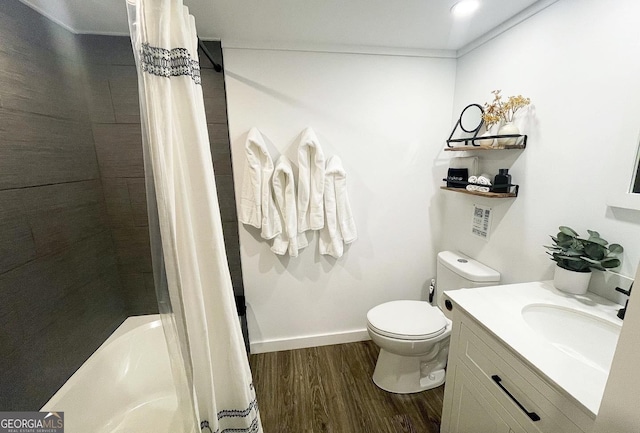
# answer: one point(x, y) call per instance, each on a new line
point(193, 284)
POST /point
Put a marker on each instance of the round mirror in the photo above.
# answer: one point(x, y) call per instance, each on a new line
point(471, 118)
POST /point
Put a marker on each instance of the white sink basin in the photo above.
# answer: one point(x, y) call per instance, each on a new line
point(587, 338)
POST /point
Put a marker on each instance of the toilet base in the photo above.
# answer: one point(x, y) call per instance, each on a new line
point(406, 374)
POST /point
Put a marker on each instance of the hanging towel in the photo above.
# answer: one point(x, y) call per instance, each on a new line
point(284, 192)
point(339, 227)
point(311, 166)
point(257, 207)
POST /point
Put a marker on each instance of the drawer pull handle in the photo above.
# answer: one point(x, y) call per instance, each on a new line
point(532, 415)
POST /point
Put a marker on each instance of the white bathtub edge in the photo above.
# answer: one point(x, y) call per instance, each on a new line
point(129, 324)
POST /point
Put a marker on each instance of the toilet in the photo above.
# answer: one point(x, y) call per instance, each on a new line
point(414, 335)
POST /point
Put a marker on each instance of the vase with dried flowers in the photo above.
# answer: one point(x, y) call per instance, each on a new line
point(499, 110)
point(491, 118)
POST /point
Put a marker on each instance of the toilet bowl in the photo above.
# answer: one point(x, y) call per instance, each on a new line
point(414, 341)
point(414, 335)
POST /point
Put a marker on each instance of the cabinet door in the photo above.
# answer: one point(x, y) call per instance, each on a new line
point(475, 410)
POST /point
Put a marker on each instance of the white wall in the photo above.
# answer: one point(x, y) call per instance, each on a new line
point(578, 62)
point(387, 118)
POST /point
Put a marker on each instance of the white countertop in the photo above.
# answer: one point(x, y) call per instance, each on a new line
point(499, 309)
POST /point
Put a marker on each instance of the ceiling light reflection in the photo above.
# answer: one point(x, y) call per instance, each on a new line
point(465, 8)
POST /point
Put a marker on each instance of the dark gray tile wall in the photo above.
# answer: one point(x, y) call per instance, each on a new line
point(112, 97)
point(40, 149)
point(74, 243)
point(115, 118)
point(60, 292)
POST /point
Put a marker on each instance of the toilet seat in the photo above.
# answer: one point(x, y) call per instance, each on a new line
point(407, 320)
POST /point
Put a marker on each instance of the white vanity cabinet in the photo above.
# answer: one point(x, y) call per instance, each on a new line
point(474, 409)
point(490, 389)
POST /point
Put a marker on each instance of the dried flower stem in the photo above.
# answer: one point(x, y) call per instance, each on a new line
point(499, 110)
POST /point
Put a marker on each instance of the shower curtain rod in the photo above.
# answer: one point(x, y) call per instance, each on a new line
point(202, 46)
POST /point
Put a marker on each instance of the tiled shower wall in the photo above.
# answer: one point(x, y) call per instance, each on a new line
point(74, 243)
point(115, 117)
point(115, 121)
point(60, 293)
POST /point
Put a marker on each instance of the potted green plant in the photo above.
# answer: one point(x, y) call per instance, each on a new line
point(575, 257)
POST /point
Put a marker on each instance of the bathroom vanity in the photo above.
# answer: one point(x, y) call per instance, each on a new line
point(527, 358)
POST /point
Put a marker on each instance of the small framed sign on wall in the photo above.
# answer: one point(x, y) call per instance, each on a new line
point(481, 221)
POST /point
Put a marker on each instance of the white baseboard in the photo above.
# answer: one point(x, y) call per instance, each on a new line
point(308, 341)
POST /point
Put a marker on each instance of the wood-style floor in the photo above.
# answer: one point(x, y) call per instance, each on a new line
point(329, 389)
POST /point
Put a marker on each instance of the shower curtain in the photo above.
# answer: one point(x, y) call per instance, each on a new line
point(193, 285)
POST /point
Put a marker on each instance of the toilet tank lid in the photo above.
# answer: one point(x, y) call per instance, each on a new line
point(467, 267)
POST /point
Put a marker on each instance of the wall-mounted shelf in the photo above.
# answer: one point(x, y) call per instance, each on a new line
point(482, 147)
point(470, 123)
point(482, 194)
point(513, 189)
point(472, 143)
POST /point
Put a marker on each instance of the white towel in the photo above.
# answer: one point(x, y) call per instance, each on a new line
point(284, 192)
point(339, 227)
point(473, 188)
point(257, 207)
point(484, 179)
point(310, 183)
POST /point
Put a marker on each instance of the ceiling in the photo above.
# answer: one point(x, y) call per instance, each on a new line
point(407, 24)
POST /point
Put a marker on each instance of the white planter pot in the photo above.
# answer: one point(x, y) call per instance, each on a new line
point(486, 142)
point(572, 282)
point(508, 129)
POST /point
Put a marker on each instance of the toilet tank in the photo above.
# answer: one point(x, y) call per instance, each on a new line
point(457, 271)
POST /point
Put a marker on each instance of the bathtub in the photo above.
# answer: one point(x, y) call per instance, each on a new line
point(126, 386)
